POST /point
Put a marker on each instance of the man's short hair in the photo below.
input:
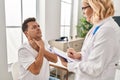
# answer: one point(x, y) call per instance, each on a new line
point(24, 25)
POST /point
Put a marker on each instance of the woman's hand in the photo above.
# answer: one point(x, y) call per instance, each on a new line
point(73, 54)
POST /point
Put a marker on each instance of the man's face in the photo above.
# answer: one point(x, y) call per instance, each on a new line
point(33, 30)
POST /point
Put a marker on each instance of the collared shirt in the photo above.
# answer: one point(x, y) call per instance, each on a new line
point(26, 56)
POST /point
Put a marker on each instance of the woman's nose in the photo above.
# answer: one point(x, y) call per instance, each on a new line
point(83, 13)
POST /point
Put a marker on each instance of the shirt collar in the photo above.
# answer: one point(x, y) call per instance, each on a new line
point(102, 21)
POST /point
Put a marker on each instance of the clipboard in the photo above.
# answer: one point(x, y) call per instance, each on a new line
point(61, 54)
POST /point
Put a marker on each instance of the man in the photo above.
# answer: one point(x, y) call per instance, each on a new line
point(32, 56)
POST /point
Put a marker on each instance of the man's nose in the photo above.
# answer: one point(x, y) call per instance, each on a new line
point(38, 27)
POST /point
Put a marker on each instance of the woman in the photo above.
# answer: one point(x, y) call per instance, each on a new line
point(100, 51)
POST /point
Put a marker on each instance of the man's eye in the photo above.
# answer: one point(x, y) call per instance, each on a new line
point(33, 27)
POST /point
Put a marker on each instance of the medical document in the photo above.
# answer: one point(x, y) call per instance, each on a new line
point(61, 54)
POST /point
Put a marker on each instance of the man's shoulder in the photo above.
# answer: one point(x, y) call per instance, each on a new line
point(24, 45)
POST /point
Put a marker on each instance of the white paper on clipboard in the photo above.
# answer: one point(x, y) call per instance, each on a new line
point(61, 54)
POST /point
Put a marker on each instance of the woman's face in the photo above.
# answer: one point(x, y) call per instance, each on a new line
point(87, 11)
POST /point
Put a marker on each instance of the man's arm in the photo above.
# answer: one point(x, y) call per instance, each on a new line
point(37, 64)
point(50, 56)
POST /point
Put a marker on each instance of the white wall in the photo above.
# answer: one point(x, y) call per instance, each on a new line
point(52, 19)
point(48, 16)
point(41, 15)
point(73, 30)
point(3, 50)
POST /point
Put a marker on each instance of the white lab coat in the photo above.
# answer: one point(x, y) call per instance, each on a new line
point(100, 53)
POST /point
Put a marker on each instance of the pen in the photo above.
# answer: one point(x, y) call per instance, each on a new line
point(68, 45)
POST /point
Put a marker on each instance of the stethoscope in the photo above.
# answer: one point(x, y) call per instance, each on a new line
point(90, 35)
point(89, 39)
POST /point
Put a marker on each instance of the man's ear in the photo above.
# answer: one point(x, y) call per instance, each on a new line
point(26, 33)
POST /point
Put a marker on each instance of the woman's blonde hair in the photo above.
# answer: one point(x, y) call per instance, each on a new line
point(101, 9)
